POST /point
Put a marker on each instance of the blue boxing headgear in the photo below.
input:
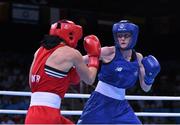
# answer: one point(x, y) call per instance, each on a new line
point(125, 26)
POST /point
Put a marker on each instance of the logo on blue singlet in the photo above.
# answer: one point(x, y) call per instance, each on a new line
point(118, 69)
point(136, 73)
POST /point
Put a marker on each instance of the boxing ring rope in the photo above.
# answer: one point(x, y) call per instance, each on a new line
point(77, 112)
point(72, 95)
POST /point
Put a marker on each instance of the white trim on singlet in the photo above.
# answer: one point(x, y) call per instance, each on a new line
point(45, 99)
point(54, 73)
point(110, 91)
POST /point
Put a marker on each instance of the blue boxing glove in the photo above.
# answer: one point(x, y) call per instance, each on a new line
point(152, 68)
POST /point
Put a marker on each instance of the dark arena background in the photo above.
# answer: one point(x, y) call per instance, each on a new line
point(23, 23)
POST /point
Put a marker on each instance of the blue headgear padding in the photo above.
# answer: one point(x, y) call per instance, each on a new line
point(125, 26)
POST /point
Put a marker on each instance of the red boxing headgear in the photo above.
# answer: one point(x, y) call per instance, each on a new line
point(68, 31)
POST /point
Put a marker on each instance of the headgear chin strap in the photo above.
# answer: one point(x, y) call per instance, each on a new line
point(125, 26)
point(68, 31)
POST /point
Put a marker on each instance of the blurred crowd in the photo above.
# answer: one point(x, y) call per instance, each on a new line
point(14, 69)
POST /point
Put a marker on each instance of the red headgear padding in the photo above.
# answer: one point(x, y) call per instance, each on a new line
point(68, 31)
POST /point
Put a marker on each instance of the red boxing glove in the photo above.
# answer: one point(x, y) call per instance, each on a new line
point(93, 48)
point(74, 77)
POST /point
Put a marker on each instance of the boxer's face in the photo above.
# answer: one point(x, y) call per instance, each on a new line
point(124, 39)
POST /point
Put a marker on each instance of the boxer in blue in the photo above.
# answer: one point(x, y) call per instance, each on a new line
point(121, 67)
